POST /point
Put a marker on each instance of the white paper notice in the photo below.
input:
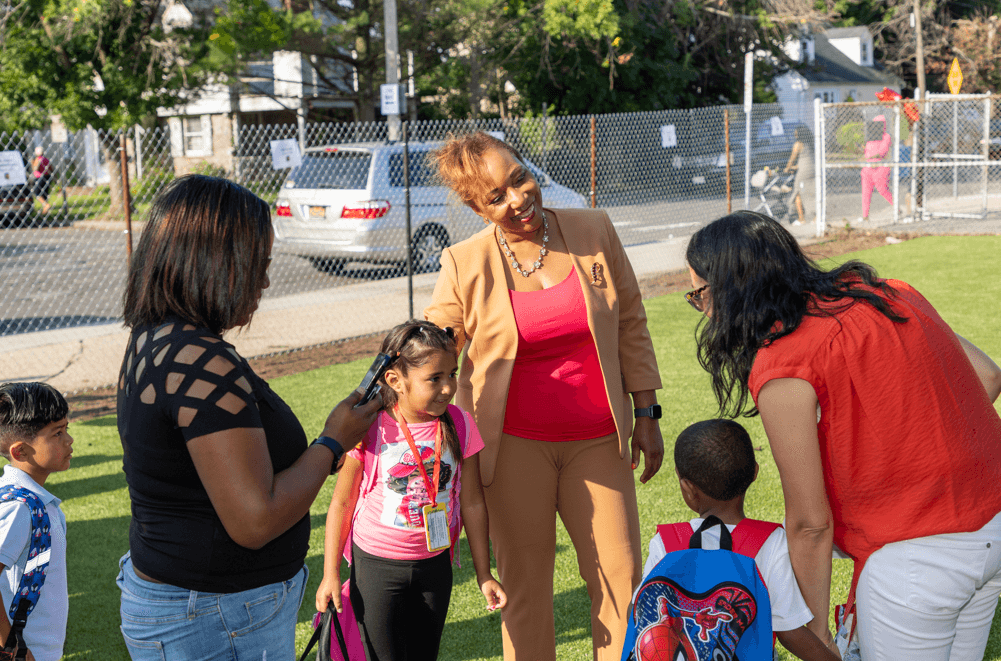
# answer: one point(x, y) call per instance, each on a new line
point(11, 168)
point(668, 136)
point(776, 126)
point(285, 154)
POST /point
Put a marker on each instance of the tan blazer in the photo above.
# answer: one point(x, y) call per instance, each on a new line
point(472, 297)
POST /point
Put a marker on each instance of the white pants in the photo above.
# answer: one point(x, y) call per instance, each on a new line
point(931, 598)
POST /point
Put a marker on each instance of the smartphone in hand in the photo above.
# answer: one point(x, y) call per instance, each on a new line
point(370, 386)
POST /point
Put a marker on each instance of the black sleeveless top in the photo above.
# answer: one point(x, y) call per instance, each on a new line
point(179, 382)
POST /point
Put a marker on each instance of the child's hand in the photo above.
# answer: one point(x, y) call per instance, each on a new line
point(329, 590)
point(494, 593)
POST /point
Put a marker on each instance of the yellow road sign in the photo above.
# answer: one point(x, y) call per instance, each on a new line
point(955, 76)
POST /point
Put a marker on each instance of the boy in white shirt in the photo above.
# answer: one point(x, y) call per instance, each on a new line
point(33, 437)
point(715, 463)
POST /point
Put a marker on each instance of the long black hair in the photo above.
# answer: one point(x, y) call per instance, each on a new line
point(412, 343)
point(758, 275)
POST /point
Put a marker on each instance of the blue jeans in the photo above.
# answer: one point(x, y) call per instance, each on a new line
point(166, 623)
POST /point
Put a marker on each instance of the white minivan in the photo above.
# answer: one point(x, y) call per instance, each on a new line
point(347, 203)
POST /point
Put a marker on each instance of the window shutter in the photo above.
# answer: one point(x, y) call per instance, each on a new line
point(176, 136)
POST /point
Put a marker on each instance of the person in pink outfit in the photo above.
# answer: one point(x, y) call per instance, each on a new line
point(877, 145)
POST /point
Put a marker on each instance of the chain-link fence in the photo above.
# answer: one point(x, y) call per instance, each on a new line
point(340, 215)
point(906, 161)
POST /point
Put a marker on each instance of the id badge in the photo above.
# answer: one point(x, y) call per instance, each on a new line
point(436, 527)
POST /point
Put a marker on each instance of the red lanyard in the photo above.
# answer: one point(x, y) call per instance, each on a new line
point(432, 487)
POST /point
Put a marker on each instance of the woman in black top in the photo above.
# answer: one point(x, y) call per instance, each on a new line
point(219, 473)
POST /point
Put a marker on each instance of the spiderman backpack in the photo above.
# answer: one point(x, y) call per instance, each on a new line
point(697, 604)
point(39, 549)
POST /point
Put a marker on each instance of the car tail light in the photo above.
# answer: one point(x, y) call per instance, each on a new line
point(283, 209)
point(366, 210)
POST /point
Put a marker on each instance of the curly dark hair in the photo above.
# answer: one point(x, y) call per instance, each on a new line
point(761, 285)
point(717, 457)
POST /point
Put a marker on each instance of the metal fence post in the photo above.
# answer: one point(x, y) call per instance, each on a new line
point(410, 241)
point(126, 193)
point(896, 163)
point(986, 146)
point(726, 131)
point(594, 162)
point(819, 161)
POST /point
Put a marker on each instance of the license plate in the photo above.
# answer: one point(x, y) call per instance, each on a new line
point(317, 212)
point(698, 180)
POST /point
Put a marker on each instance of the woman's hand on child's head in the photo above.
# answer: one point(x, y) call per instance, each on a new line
point(348, 425)
point(329, 591)
point(494, 593)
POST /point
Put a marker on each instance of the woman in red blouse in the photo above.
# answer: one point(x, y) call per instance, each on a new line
point(881, 422)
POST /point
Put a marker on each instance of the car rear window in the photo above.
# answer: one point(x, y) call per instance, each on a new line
point(335, 169)
point(421, 172)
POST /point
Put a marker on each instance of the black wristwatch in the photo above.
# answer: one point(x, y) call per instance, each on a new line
point(334, 447)
point(648, 412)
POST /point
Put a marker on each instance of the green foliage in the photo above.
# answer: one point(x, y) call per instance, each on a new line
point(851, 137)
point(581, 19)
point(107, 63)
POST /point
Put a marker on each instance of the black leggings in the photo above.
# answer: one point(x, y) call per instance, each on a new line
point(400, 605)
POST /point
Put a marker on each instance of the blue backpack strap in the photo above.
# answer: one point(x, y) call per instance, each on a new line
point(39, 550)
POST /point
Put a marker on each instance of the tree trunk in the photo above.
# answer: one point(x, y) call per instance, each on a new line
point(113, 161)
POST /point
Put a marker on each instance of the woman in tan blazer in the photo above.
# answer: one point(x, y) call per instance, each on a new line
point(549, 309)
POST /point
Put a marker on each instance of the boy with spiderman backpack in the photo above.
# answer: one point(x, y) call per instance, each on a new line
point(718, 586)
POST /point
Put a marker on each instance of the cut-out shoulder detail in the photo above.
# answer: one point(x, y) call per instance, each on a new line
point(209, 338)
point(219, 365)
point(140, 368)
point(235, 354)
point(243, 383)
point(174, 380)
point(121, 383)
point(166, 330)
point(185, 415)
point(200, 389)
point(161, 355)
point(189, 354)
point(188, 327)
point(140, 342)
point(148, 395)
point(231, 403)
point(128, 363)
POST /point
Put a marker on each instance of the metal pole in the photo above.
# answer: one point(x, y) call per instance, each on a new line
point(126, 194)
point(392, 60)
point(594, 162)
point(922, 93)
point(955, 146)
point(410, 245)
point(726, 133)
point(748, 106)
point(896, 163)
point(819, 159)
point(986, 145)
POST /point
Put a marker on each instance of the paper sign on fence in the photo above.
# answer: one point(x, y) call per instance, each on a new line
point(668, 136)
point(777, 126)
point(285, 154)
point(12, 168)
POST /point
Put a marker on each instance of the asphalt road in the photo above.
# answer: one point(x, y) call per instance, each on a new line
point(67, 277)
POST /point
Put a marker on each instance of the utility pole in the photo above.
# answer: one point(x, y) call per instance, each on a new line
point(392, 60)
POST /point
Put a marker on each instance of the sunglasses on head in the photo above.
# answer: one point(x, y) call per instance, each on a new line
point(694, 298)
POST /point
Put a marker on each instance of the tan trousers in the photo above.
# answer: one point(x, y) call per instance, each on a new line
point(592, 490)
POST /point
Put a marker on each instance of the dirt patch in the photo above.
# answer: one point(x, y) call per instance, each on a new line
point(94, 403)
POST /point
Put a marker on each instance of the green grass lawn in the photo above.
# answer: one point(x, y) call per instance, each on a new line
point(957, 274)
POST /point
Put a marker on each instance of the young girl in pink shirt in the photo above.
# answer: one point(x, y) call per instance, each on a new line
point(398, 505)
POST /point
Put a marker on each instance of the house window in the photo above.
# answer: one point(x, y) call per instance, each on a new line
point(194, 139)
point(827, 96)
point(190, 135)
point(804, 50)
point(865, 53)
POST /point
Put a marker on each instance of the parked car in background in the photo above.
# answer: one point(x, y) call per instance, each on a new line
point(15, 205)
point(347, 203)
point(771, 145)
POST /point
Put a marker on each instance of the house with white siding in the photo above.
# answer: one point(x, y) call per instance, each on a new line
point(837, 65)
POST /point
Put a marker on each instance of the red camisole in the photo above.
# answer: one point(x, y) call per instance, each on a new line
point(557, 390)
